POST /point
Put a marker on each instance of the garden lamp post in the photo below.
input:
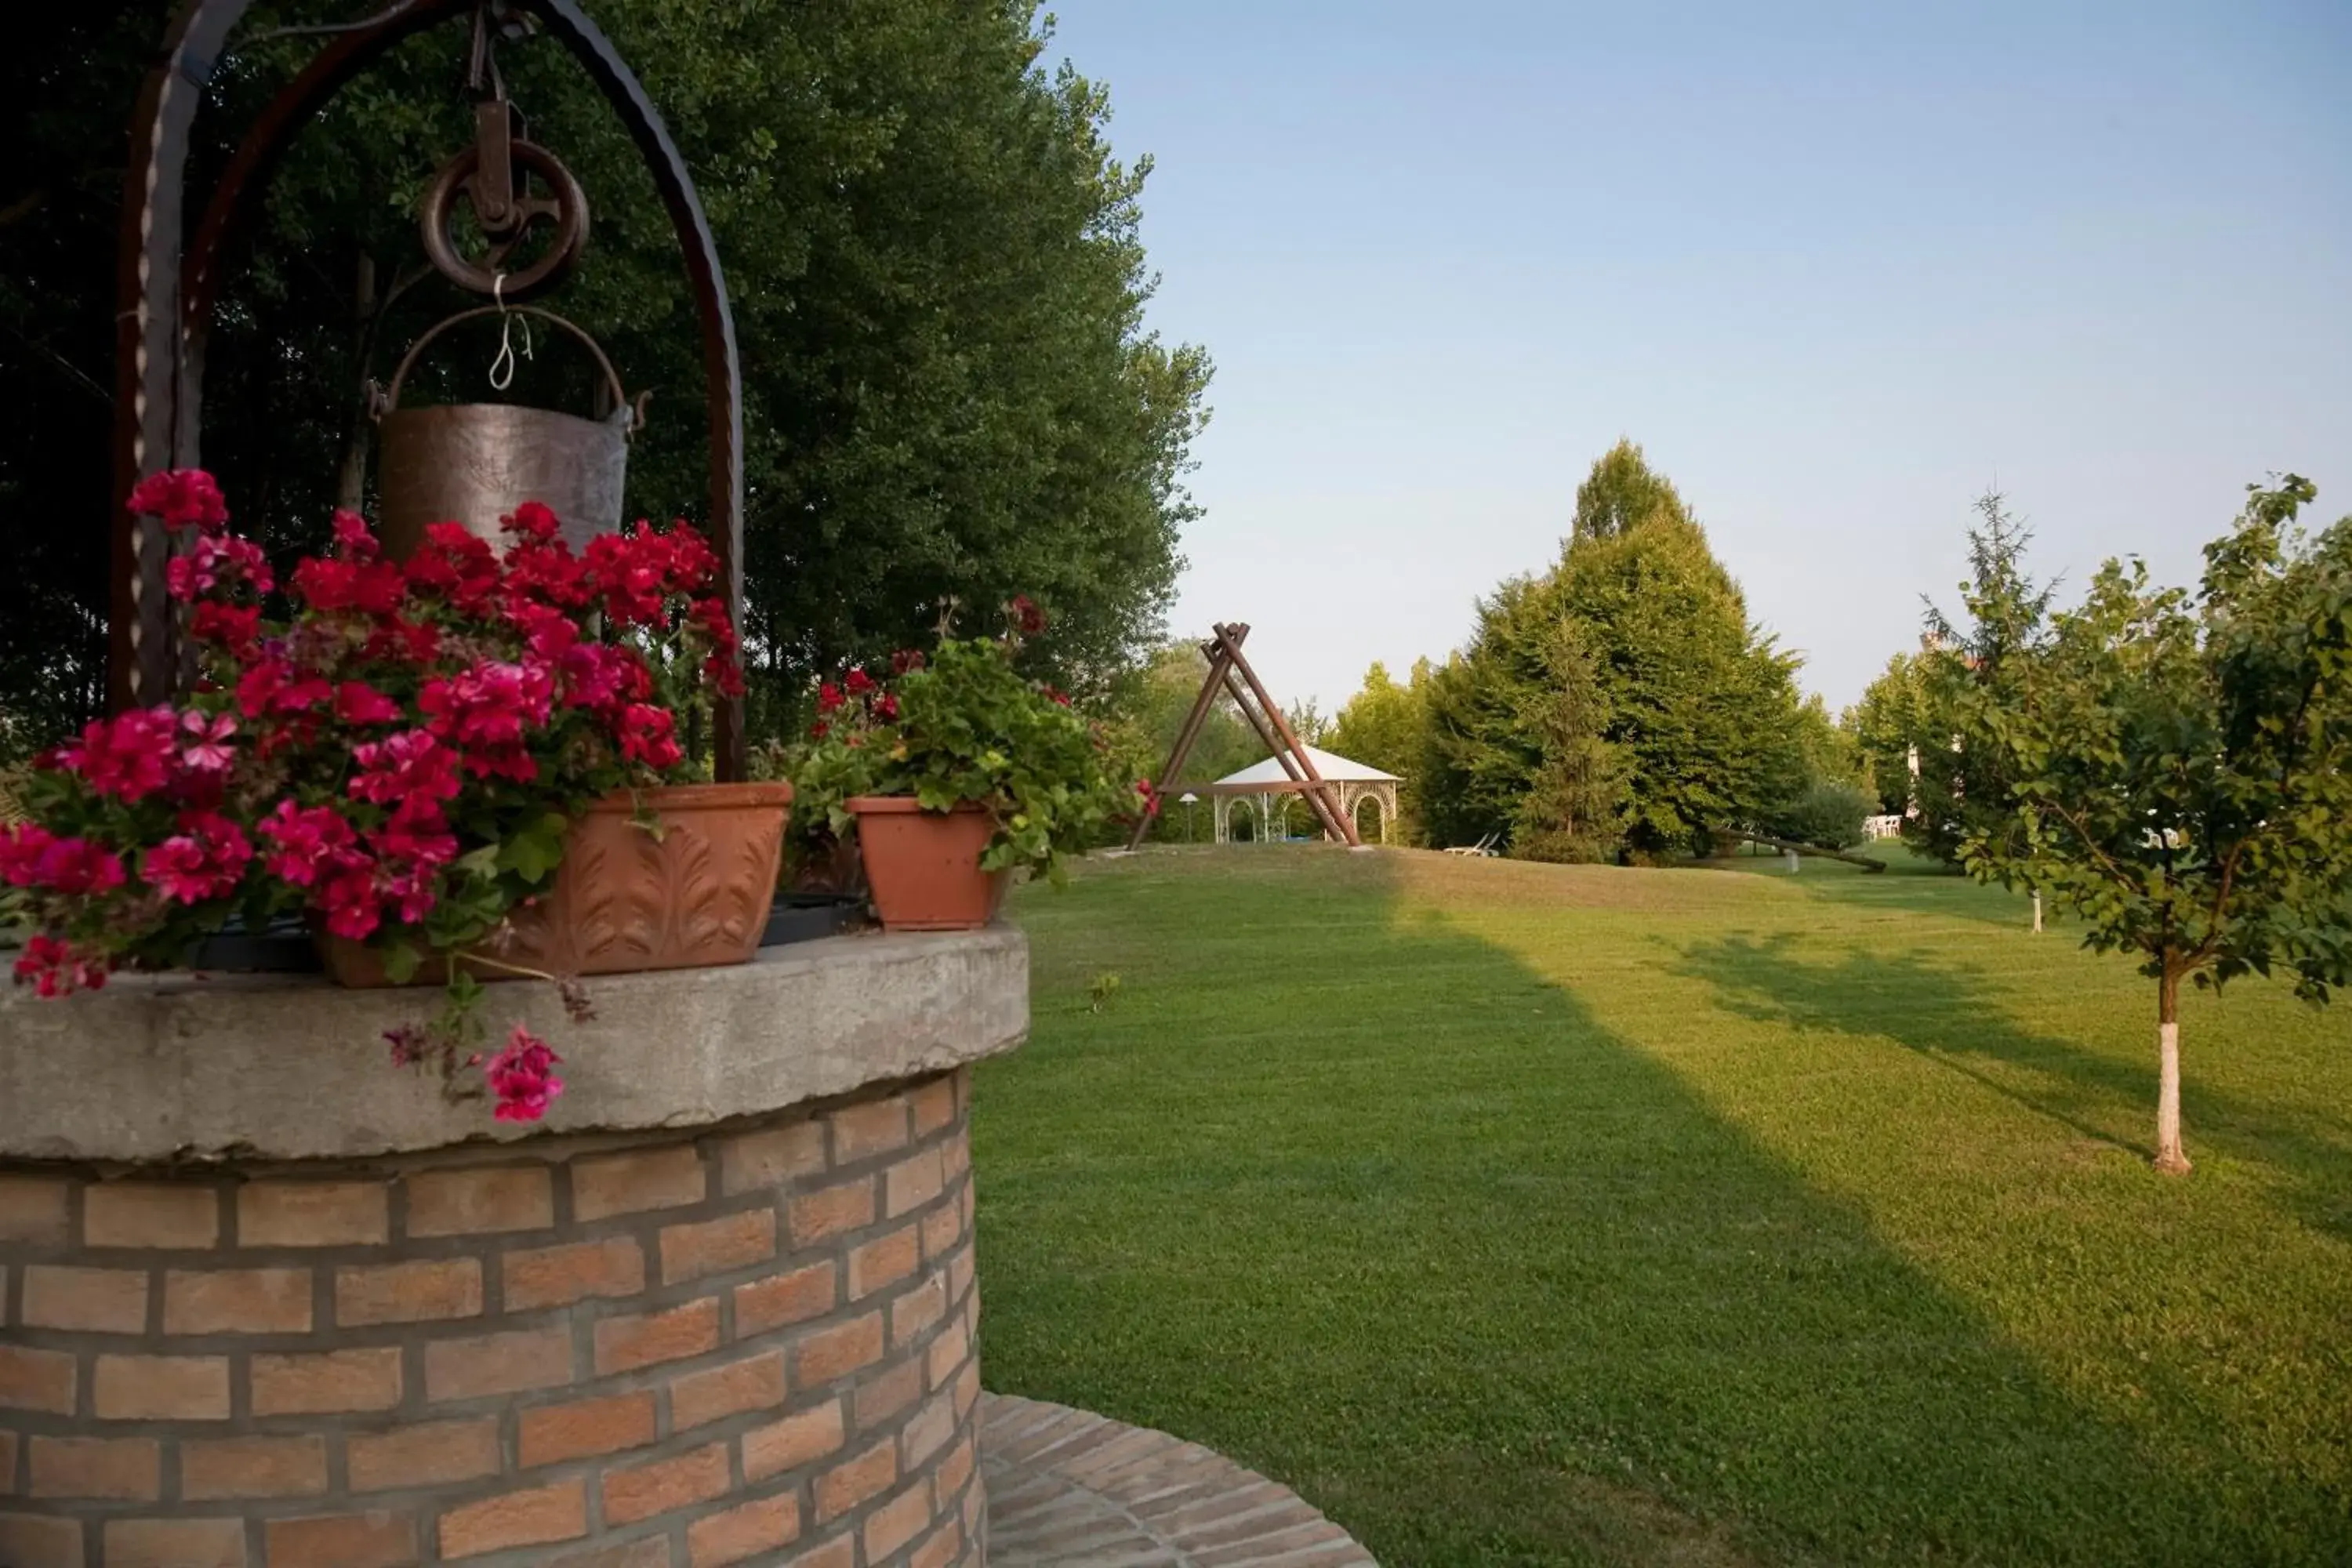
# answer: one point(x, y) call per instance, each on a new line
point(1190, 800)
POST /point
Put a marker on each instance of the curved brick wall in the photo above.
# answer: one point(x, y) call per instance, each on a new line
point(747, 1344)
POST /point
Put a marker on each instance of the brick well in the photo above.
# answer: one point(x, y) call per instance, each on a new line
point(749, 1342)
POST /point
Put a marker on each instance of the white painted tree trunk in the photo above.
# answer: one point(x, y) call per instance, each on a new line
point(2169, 1154)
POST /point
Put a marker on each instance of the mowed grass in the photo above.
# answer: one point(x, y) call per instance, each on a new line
point(1523, 1214)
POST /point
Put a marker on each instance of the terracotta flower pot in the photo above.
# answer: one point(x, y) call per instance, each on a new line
point(623, 901)
point(924, 866)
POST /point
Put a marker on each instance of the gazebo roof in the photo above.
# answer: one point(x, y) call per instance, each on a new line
point(1336, 769)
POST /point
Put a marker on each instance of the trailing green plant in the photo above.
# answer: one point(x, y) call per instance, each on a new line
point(833, 763)
point(963, 725)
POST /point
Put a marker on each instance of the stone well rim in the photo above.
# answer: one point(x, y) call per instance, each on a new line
point(179, 1068)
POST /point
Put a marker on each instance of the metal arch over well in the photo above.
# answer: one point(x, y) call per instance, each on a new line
point(166, 288)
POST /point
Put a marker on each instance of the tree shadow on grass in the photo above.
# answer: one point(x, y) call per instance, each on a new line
point(1909, 886)
point(1376, 1209)
point(1951, 1015)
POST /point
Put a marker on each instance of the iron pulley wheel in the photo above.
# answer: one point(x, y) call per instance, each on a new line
point(565, 206)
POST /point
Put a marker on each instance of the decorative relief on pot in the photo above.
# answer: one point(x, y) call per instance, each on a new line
point(626, 897)
point(609, 905)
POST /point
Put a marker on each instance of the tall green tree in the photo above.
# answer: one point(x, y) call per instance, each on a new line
point(938, 274)
point(1383, 725)
point(2182, 770)
point(1814, 791)
point(1309, 722)
point(1574, 808)
point(1970, 665)
point(1822, 748)
point(1884, 726)
point(1483, 743)
point(1701, 703)
point(1692, 698)
point(1622, 492)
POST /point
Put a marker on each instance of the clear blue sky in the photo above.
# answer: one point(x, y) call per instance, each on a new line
point(1837, 268)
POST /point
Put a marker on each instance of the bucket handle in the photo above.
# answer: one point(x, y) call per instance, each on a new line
point(388, 398)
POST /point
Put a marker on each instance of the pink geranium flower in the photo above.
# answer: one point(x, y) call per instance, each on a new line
point(207, 748)
point(236, 630)
point(340, 582)
point(32, 857)
point(128, 756)
point(600, 675)
point(207, 860)
point(54, 969)
point(312, 842)
point(216, 562)
point(405, 763)
point(646, 736)
point(354, 540)
point(532, 520)
point(453, 565)
point(21, 848)
point(274, 688)
point(182, 497)
point(489, 704)
point(304, 762)
point(417, 833)
point(357, 702)
point(522, 1077)
point(348, 899)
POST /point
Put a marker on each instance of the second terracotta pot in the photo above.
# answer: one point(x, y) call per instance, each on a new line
point(624, 899)
point(924, 866)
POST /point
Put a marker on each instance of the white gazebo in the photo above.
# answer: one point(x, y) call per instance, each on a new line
point(1266, 789)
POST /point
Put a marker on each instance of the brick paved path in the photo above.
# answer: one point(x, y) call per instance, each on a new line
point(1067, 1489)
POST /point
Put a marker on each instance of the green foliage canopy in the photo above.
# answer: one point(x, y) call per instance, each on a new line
point(1691, 724)
point(1382, 726)
point(1702, 702)
point(938, 278)
point(1966, 669)
point(1574, 808)
point(1829, 813)
point(1621, 493)
point(2183, 766)
point(1483, 743)
point(1883, 727)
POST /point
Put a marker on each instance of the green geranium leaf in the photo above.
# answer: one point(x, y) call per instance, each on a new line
point(535, 851)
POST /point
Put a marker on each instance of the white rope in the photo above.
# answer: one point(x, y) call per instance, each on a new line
point(502, 369)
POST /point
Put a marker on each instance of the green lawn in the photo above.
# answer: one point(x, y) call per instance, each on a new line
point(1528, 1214)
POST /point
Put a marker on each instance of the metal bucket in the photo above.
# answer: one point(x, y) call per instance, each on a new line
point(474, 463)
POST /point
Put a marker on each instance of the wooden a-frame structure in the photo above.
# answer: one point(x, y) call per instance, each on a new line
point(1230, 672)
